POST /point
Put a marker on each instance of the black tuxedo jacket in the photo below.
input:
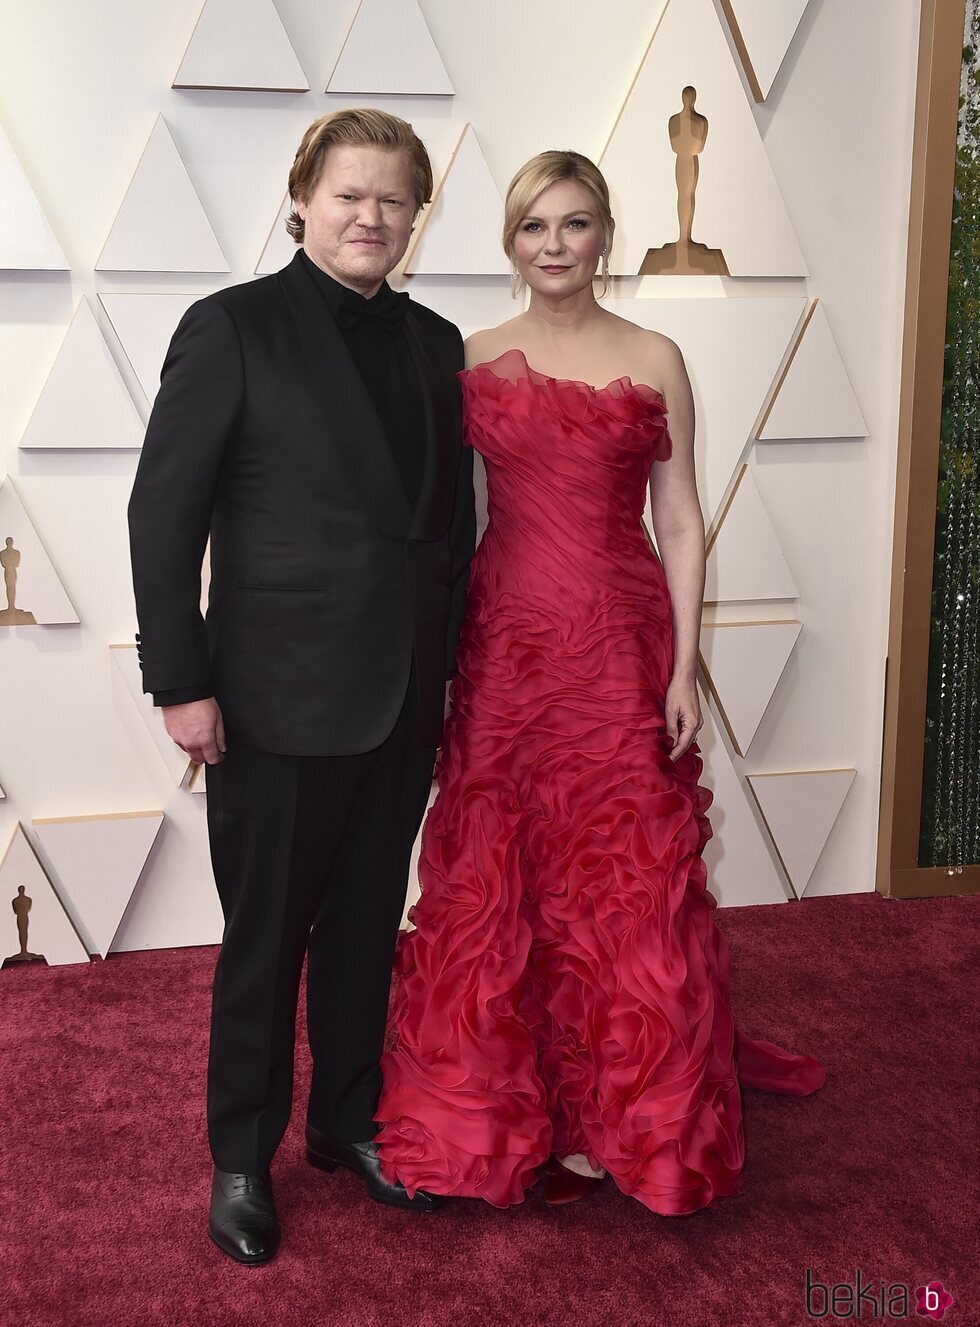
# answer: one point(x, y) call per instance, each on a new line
point(324, 579)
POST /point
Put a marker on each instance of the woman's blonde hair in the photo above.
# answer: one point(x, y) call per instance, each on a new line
point(364, 127)
point(538, 174)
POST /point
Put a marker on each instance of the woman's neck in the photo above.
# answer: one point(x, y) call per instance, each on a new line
point(566, 316)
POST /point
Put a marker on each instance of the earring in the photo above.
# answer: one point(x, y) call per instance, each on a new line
point(516, 281)
point(605, 275)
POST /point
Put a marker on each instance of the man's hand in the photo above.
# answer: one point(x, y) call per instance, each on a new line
point(198, 729)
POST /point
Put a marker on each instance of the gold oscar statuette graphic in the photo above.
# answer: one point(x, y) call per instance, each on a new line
point(21, 905)
point(688, 133)
point(12, 616)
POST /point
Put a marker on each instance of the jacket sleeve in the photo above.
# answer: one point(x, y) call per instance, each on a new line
point(193, 418)
point(462, 542)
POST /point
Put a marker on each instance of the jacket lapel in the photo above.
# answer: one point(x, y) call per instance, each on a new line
point(438, 489)
point(349, 413)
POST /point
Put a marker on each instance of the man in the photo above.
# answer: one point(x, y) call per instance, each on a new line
point(309, 422)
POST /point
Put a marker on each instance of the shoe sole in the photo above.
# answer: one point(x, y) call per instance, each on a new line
point(329, 1164)
point(321, 1162)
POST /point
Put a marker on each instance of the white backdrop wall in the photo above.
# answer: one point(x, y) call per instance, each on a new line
point(80, 88)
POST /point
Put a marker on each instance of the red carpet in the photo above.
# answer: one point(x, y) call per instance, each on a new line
point(105, 1170)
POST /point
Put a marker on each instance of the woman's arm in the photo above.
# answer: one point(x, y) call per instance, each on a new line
point(679, 529)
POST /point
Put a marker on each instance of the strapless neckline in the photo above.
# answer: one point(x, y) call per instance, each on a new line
point(624, 383)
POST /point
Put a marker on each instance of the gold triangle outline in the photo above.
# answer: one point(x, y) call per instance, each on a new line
point(784, 372)
point(437, 193)
point(743, 51)
point(770, 774)
point(709, 680)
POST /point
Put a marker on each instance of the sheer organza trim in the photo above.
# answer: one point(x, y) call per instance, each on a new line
point(513, 367)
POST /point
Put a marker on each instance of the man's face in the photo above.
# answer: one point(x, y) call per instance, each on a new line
point(359, 216)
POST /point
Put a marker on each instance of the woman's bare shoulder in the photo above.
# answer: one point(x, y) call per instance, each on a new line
point(491, 342)
point(662, 358)
point(647, 340)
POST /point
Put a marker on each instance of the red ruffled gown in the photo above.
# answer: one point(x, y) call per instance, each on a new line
point(565, 988)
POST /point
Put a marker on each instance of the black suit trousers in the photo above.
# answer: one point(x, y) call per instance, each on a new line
point(311, 857)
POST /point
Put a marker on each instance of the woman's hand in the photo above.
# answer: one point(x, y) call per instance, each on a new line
point(682, 710)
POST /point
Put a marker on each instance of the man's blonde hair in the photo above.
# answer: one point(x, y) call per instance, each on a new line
point(362, 127)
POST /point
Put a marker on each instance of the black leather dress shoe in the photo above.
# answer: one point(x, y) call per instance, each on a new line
point(243, 1221)
point(362, 1158)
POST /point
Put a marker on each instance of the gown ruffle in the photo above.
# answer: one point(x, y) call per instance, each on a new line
point(565, 988)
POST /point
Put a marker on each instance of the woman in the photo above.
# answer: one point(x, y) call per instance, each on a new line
point(563, 1002)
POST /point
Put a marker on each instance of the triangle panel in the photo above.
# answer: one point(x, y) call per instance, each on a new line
point(740, 865)
point(126, 659)
point(729, 389)
point(33, 920)
point(241, 44)
point(280, 247)
point(144, 325)
point(161, 225)
point(743, 662)
point(740, 223)
point(389, 51)
point(800, 810)
point(84, 405)
point(815, 398)
point(27, 242)
point(745, 561)
point(98, 860)
point(460, 232)
point(763, 31)
point(32, 592)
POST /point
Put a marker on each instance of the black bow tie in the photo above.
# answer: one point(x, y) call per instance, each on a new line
point(386, 309)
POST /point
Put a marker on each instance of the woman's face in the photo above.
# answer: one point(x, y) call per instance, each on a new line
point(558, 242)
